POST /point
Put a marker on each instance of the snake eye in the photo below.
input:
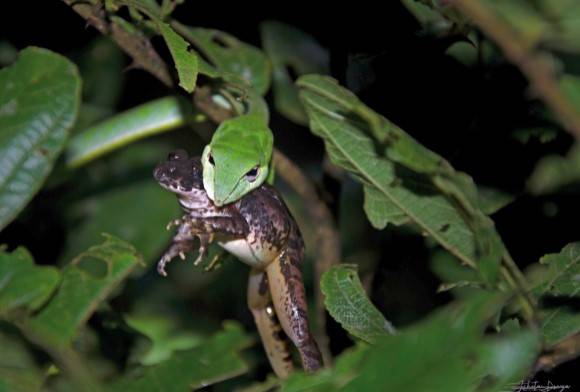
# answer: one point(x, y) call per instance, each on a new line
point(210, 159)
point(252, 174)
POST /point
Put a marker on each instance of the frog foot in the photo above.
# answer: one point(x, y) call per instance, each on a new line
point(176, 249)
point(175, 222)
point(204, 241)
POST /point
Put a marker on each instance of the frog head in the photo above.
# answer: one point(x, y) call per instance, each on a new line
point(180, 174)
point(237, 158)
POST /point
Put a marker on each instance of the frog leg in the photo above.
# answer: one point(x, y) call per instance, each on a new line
point(182, 242)
point(289, 299)
point(271, 334)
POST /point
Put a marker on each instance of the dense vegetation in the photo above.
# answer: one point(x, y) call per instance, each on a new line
point(419, 277)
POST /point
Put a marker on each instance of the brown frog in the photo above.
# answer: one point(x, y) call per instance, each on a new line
point(259, 230)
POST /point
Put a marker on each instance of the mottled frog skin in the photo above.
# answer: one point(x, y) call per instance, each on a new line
point(259, 230)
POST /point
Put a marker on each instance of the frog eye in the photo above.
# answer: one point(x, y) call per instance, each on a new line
point(210, 159)
point(252, 174)
point(177, 155)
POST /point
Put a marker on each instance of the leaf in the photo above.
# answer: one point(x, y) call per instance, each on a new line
point(39, 99)
point(185, 61)
point(461, 280)
point(165, 336)
point(558, 289)
point(140, 122)
point(86, 282)
point(18, 370)
point(347, 303)
point(24, 286)
point(335, 115)
point(230, 55)
point(492, 200)
point(553, 172)
point(289, 48)
point(413, 360)
point(215, 360)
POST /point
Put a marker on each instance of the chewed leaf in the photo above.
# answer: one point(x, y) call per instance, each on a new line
point(348, 304)
point(186, 61)
point(39, 99)
point(24, 286)
point(86, 282)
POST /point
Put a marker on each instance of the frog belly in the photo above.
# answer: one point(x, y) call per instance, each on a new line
point(242, 250)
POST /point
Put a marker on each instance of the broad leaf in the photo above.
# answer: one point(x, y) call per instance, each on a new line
point(291, 49)
point(229, 55)
point(215, 360)
point(86, 282)
point(24, 287)
point(356, 137)
point(185, 60)
point(102, 213)
point(348, 304)
point(18, 369)
point(39, 99)
point(558, 288)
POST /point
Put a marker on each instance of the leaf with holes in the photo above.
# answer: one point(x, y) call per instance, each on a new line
point(86, 282)
point(185, 60)
point(348, 304)
point(230, 55)
point(39, 99)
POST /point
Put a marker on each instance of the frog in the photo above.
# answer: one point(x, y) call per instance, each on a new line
point(238, 158)
point(260, 231)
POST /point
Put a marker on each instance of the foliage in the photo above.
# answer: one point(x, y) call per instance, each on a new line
point(92, 315)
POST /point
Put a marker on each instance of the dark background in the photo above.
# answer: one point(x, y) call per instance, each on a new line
point(467, 115)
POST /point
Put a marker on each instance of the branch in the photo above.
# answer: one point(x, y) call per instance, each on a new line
point(134, 43)
point(561, 352)
point(533, 65)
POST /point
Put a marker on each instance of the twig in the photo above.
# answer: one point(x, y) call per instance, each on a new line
point(563, 351)
point(533, 65)
point(134, 44)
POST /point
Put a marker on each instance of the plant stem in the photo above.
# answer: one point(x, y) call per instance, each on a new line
point(534, 66)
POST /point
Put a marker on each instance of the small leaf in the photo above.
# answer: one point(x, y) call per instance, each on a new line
point(348, 304)
point(558, 288)
point(553, 172)
point(289, 48)
point(140, 122)
point(83, 288)
point(24, 286)
point(230, 55)
point(39, 99)
point(215, 360)
point(185, 61)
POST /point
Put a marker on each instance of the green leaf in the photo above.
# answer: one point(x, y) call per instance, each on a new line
point(185, 61)
point(392, 191)
point(24, 286)
point(117, 212)
point(288, 47)
point(414, 360)
point(558, 289)
point(230, 55)
point(18, 370)
point(554, 171)
point(215, 360)
point(165, 335)
point(86, 282)
point(39, 99)
point(348, 304)
point(492, 200)
point(151, 118)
